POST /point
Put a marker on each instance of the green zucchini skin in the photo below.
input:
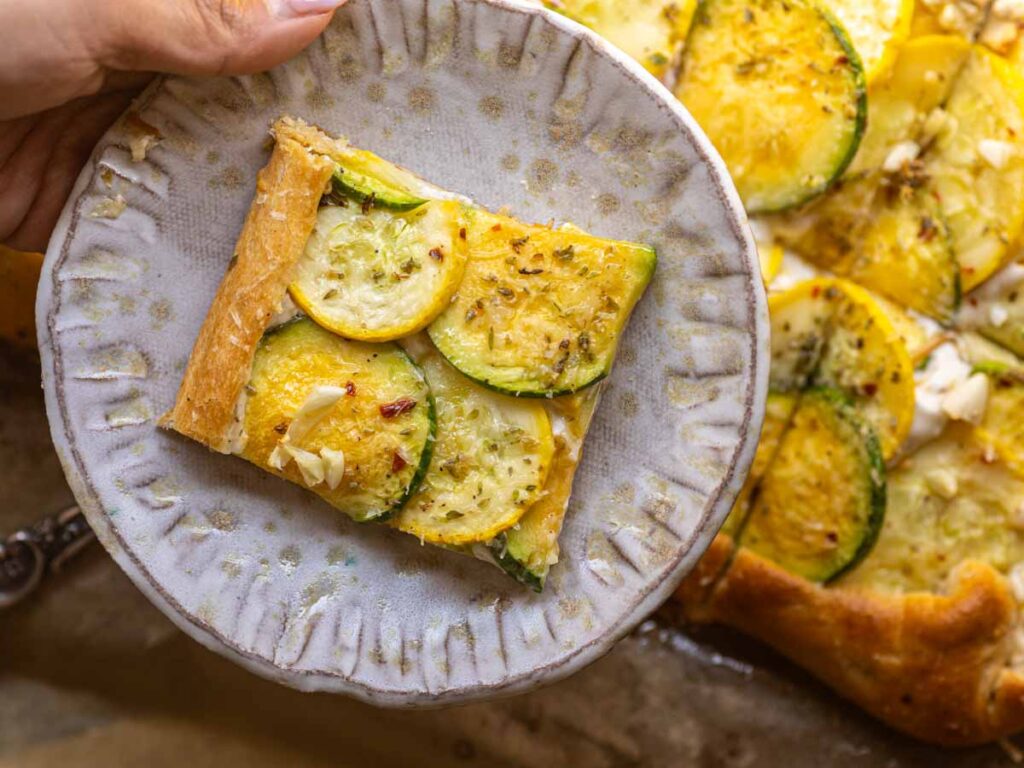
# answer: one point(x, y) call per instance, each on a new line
point(425, 457)
point(513, 567)
point(368, 190)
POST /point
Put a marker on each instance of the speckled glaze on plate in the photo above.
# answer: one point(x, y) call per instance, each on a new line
point(510, 105)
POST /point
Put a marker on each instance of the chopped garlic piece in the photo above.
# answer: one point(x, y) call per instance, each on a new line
point(334, 466)
point(316, 405)
point(310, 465)
point(996, 153)
point(998, 315)
point(942, 482)
point(313, 409)
point(901, 154)
point(967, 401)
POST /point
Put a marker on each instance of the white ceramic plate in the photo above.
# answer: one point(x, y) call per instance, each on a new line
point(510, 105)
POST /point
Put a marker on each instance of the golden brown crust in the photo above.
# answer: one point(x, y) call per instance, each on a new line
point(288, 192)
point(932, 665)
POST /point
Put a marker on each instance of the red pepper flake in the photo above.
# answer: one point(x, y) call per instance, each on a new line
point(870, 389)
point(350, 388)
point(928, 229)
point(816, 291)
point(496, 228)
point(437, 254)
point(462, 233)
point(397, 408)
point(398, 463)
point(843, 60)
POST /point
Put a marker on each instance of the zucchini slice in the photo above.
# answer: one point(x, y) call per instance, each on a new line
point(955, 499)
point(780, 92)
point(976, 168)
point(376, 274)
point(876, 28)
point(527, 550)
point(831, 333)
point(651, 31)
point(491, 461)
point(821, 503)
point(893, 241)
point(540, 311)
point(367, 178)
point(353, 422)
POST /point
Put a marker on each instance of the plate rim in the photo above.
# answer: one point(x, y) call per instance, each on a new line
point(672, 574)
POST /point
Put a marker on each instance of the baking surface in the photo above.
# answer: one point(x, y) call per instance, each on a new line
point(93, 675)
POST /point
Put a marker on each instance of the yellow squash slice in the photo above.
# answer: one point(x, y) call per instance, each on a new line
point(976, 168)
point(376, 274)
point(876, 28)
point(834, 334)
point(352, 422)
point(902, 104)
point(540, 311)
point(651, 31)
point(490, 463)
point(890, 239)
point(780, 92)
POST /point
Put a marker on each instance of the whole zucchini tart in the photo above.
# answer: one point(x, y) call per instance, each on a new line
point(879, 540)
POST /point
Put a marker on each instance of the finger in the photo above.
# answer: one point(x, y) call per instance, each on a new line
point(38, 175)
point(209, 37)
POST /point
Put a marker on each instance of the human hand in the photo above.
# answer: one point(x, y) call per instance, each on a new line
point(68, 68)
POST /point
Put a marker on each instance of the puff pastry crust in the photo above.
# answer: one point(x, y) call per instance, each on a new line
point(940, 667)
point(288, 192)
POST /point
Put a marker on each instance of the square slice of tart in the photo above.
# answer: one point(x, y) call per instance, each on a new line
point(408, 356)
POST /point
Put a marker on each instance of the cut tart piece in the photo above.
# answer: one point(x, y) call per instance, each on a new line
point(341, 394)
point(780, 92)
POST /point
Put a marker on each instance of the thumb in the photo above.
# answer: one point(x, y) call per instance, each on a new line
point(208, 37)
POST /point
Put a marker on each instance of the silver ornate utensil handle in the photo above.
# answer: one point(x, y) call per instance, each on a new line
point(26, 556)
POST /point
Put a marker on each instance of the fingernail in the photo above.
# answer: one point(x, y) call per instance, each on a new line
point(290, 9)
